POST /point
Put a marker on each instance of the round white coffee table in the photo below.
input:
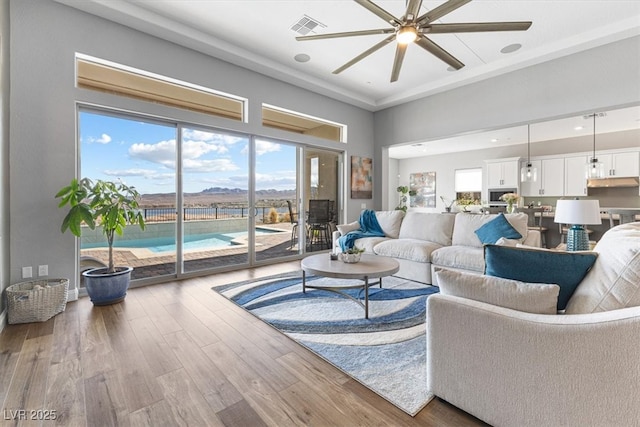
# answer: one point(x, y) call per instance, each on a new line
point(369, 267)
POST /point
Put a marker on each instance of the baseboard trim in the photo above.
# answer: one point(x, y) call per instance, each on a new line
point(72, 295)
point(3, 319)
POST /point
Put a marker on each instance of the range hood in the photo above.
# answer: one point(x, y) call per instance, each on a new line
point(633, 181)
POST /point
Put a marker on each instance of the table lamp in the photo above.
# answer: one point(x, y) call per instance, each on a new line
point(578, 213)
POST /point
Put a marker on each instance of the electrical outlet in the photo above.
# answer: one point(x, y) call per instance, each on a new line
point(363, 206)
point(27, 272)
point(43, 270)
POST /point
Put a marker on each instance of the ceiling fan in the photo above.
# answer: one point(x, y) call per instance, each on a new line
point(412, 28)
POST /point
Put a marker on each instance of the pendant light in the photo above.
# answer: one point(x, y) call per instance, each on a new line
point(528, 173)
point(594, 169)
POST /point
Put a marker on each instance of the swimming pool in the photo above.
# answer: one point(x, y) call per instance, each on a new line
point(194, 241)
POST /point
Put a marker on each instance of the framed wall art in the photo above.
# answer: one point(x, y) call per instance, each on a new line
point(424, 185)
point(361, 177)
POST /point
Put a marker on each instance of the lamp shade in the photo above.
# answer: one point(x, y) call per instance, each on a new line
point(582, 212)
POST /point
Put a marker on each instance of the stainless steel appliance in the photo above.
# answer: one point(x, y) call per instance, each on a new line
point(496, 193)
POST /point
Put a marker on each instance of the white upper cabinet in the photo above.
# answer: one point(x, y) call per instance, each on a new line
point(550, 182)
point(620, 164)
point(503, 174)
point(575, 181)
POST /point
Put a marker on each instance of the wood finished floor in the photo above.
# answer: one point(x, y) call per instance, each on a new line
point(179, 354)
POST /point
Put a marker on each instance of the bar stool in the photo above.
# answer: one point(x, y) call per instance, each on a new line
point(534, 222)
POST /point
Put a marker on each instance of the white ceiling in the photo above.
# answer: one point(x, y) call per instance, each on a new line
point(257, 34)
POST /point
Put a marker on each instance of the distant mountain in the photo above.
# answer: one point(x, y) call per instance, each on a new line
point(215, 195)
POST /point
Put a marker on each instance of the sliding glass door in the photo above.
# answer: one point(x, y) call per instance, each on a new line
point(211, 199)
point(277, 200)
point(215, 212)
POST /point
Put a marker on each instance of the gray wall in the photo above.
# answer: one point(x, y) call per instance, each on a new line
point(44, 39)
point(4, 150)
point(601, 78)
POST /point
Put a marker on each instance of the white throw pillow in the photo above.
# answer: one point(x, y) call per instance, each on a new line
point(528, 297)
point(345, 228)
point(432, 227)
point(390, 222)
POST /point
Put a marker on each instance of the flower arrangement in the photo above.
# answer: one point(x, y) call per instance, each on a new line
point(511, 199)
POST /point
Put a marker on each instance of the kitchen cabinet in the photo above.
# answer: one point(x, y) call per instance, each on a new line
point(620, 164)
point(503, 174)
point(550, 182)
point(575, 181)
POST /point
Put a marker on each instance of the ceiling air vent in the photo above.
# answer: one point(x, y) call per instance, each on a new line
point(305, 25)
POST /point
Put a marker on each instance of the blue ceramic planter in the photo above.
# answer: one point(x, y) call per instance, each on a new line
point(107, 288)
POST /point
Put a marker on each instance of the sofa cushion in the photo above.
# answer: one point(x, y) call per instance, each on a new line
point(390, 222)
point(497, 228)
point(368, 243)
point(566, 269)
point(462, 257)
point(466, 224)
point(614, 280)
point(529, 297)
point(433, 227)
point(410, 249)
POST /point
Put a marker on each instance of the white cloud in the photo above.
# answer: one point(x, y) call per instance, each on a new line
point(215, 165)
point(163, 152)
point(129, 172)
point(104, 139)
point(263, 147)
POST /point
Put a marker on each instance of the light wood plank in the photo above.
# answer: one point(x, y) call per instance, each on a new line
point(210, 380)
point(65, 393)
point(105, 400)
point(155, 349)
point(186, 402)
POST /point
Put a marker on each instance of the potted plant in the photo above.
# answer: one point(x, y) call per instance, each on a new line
point(404, 191)
point(352, 255)
point(111, 206)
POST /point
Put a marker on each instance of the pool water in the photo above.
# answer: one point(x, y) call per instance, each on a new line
point(168, 244)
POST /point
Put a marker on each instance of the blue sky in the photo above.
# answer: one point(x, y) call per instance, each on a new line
point(142, 154)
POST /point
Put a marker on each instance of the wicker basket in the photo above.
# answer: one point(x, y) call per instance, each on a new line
point(36, 301)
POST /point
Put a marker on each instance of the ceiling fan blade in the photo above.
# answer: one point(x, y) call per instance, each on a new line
point(347, 34)
point(365, 54)
point(377, 10)
point(475, 27)
point(441, 10)
point(397, 63)
point(439, 52)
point(413, 8)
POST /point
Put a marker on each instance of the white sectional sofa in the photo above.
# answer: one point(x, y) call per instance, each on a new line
point(510, 367)
point(420, 241)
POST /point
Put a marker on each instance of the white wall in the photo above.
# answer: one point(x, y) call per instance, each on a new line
point(44, 39)
point(598, 79)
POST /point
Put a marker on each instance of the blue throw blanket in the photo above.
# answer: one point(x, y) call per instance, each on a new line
point(369, 227)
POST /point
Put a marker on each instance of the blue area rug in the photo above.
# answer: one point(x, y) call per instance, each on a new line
point(386, 353)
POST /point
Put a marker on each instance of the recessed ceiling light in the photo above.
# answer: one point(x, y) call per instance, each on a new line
point(494, 140)
point(578, 128)
point(302, 57)
point(451, 69)
point(511, 48)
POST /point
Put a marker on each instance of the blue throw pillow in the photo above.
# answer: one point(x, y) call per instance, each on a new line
point(498, 227)
point(566, 269)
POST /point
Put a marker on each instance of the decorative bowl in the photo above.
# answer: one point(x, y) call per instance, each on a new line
point(350, 258)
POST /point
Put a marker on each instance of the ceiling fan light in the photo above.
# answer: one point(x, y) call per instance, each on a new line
point(407, 35)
